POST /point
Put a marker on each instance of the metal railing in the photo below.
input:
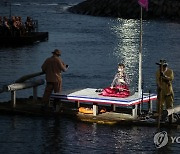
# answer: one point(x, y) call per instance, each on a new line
point(21, 84)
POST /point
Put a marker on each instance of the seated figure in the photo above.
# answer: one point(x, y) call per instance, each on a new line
point(6, 27)
point(119, 86)
point(29, 25)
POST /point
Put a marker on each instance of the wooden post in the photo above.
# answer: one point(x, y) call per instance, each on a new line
point(140, 108)
point(113, 107)
point(13, 98)
point(134, 111)
point(78, 104)
point(95, 109)
point(160, 97)
point(171, 119)
point(150, 109)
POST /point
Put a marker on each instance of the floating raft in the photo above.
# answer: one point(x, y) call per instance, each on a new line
point(90, 95)
point(115, 114)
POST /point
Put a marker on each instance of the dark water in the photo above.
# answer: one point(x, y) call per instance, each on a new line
point(92, 46)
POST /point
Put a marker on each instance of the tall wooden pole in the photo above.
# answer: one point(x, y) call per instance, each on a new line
point(10, 11)
point(140, 69)
point(160, 96)
point(140, 60)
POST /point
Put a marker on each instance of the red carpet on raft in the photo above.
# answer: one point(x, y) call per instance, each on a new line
point(118, 91)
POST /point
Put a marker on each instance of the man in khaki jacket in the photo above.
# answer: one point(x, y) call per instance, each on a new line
point(52, 67)
point(164, 78)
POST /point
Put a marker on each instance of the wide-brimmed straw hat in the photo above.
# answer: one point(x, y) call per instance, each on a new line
point(162, 62)
point(57, 52)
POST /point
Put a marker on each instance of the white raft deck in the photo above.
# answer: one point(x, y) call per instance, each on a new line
point(89, 95)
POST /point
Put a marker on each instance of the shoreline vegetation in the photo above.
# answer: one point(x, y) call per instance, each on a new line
point(129, 9)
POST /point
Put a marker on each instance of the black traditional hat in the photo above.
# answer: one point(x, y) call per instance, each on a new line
point(162, 62)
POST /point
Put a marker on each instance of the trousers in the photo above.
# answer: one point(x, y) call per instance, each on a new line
point(166, 102)
point(50, 87)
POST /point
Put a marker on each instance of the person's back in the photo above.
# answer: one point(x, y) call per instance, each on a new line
point(29, 25)
point(6, 26)
point(53, 67)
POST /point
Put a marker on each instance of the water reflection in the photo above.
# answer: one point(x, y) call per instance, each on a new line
point(51, 136)
point(64, 135)
point(126, 50)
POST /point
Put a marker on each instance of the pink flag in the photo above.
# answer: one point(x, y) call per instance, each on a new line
point(143, 3)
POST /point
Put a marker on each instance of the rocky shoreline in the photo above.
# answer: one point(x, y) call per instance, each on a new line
point(129, 9)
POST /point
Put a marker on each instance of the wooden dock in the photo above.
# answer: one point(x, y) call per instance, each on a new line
point(126, 111)
point(23, 40)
